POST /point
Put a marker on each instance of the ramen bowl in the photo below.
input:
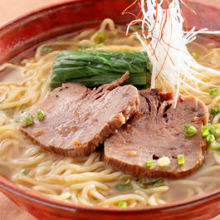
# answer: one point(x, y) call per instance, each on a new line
point(16, 40)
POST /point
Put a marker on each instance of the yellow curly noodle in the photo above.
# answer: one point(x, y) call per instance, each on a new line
point(84, 180)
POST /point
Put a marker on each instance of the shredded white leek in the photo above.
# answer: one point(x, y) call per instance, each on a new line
point(173, 64)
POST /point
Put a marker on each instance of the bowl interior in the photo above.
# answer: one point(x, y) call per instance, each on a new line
point(21, 36)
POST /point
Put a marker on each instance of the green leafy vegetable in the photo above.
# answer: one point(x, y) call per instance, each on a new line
point(189, 130)
point(213, 92)
point(123, 204)
point(40, 115)
point(181, 159)
point(94, 68)
point(147, 183)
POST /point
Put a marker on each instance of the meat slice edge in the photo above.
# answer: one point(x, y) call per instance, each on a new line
point(77, 119)
point(157, 130)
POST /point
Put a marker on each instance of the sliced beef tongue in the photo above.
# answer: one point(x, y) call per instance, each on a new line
point(77, 119)
point(155, 132)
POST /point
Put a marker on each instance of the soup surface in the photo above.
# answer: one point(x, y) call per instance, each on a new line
point(86, 180)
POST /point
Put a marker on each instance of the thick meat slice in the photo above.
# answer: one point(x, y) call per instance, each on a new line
point(77, 119)
point(156, 131)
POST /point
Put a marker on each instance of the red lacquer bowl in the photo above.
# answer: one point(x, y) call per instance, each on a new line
point(56, 20)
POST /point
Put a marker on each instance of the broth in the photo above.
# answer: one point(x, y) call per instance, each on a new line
point(84, 180)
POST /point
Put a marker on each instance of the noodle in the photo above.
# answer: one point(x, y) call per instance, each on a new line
point(86, 180)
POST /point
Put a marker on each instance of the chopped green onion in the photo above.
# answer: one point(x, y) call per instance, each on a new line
point(136, 28)
point(123, 204)
point(40, 115)
point(25, 172)
point(6, 111)
point(195, 55)
point(126, 180)
point(205, 131)
point(217, 129)
point(158, 183)
point(29, 120)
point(61, 38)
point(122, 187)
point(181, 159)
point(164, 161)
point(38, 153)
point(20, 119)
point(215, 146)
point(83, 47)
point(98, 45)
point(213, 92)
point(100, 37)
point(208, 129)
point(189, 130)
point(215, 111)
point(210, 138)
point(146, 183)
point(211, 132)
point(149, 163)
point(125, 184)
point(216, 126)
